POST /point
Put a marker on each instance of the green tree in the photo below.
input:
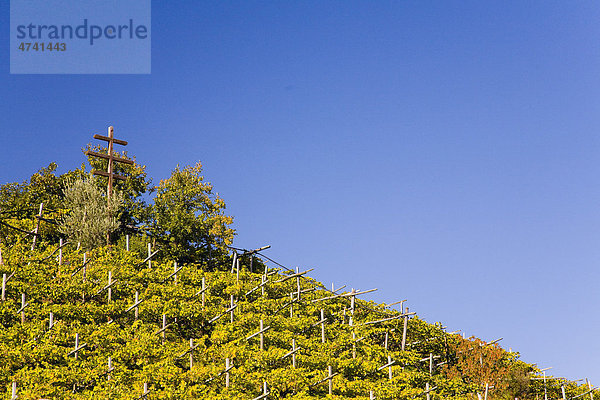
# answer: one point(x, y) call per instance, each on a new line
point(135, 212)
point(188, 217)
point(91, 216)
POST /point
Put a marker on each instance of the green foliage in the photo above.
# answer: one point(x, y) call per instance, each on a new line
point(39, 359)
point(92, 215)
point(19, 202)
point(189, 218)
point(134, 211)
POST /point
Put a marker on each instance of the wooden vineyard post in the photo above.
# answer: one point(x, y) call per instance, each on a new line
point(260, 332)
point(427, 390)
point(137, 299)
point(109, 286)
point(389, 364)
point(111, 160)
point(262, 336)
point(77, 346)
point(292, 353)
point(4, 287)
point(371, 395)
point(60, 246)
point(404, 330)
point(329, 370)
point(589, 385)
point(13, 395)
point(191, 353)
point(232, 308)
point(227, 368)
point(110, 369)
point(127, 242)
point(22, 309)
point(323, 326)
point(37, 226)
point(149, 255)
point(264, 394)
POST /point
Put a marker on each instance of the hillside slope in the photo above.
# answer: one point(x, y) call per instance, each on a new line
point(117, 326)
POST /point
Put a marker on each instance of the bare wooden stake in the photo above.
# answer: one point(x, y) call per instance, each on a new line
point(329, 370)
point(4, 287)
point(233, 263)
point(191, 353)
point(371, 395)
point(388, 366)
point(237, 271)
point(203, 291)
point(137, 299)
point(149, 255)
point(298, 282)
point(22, 309)
point(13, 395)
point(127, 242)
point(110, 368)
point(353, 345)
point(232, 307)
point(294, 353)
point(51, 323)
point(37, 226)
point(427, 390)
point(386, 340)
point(260, 332)
point(322, 326)
point(264, 394)
point(227, 368)
point(60, 246)
point(84, 272)
point(164, 328)
point(109, 286)
point(263, 281)
point(77, 347)
point(404, 330)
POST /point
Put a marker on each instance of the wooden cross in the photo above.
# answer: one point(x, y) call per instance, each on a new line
point(111, 159)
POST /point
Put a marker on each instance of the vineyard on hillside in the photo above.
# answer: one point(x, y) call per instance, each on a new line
point(120, 325)
point(121, 299)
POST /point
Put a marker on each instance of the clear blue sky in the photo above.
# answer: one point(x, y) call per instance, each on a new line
point(444, 152)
